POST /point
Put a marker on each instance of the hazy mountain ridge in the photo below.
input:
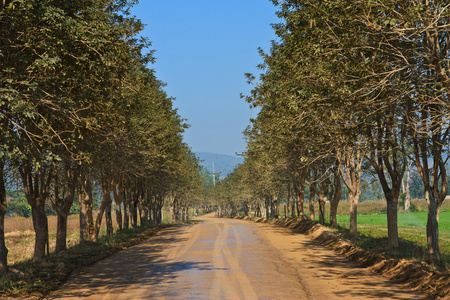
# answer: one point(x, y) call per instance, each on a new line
point(222, 163)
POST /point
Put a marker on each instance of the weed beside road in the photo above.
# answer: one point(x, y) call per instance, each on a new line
point(20, 236)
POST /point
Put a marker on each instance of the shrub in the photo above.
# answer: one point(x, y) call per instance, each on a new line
point(19, 205)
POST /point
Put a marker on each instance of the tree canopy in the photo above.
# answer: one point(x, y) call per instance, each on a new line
point(79, 107)
point(352, 88)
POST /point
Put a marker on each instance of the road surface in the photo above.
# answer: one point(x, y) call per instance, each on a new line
point(229, 259)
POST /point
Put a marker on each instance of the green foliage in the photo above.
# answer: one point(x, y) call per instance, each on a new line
point(417, 189)
point(75, 208)
point(207, 178)
point(78, 104)
point(18, 204)
point(401, 203)
point(346, 86)
point(371, 190)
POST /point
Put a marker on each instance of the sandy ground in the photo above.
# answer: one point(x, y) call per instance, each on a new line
point(229, 259)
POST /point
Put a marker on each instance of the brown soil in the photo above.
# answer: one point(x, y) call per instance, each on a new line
point(418, 276)
point(232, 259)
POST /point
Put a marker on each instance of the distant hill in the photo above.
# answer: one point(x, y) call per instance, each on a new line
point(222, 163)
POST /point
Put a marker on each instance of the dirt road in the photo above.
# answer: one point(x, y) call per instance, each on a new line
point(229, 259)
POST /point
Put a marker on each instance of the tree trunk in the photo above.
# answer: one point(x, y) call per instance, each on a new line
point(258, 210)
point(159, 213)
point(434, 179)
point(40, 225)
point(391, 187)
point(62, 205)
point(275, 207)
point(85, 201)
point(334, 201)
point(262, 209)
point(406, 187)
point(293, 208)
point(3, 207)
point(134, 212)
point(36, 188)
point(89, 204)
point(61, 229)
point(61, 233)
point(407, 196)
point(354, 199)
point(392, 221)
point(119, 216)
point(143, 213)
point(119, 199)
point(434, 254)
point(350, 164)
point(153, 209)
point(108, 219)
point(3, 249)
point(312, 195)
point(126, 217)
point(141, 216)
point(98, 220)
point(299, 188)
point(322, 203)
point(246, 209)
point(106, 202)
point(83, 218)
point(176, 210)
point(183, 213)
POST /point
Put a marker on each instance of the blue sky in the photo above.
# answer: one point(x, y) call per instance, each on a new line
point(203, 48)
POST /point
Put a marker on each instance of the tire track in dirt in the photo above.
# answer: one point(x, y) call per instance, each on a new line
point(232, 282)
point(229, 259)
point(193, 233)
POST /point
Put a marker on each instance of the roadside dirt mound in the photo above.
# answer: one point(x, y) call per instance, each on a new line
point(417, 276)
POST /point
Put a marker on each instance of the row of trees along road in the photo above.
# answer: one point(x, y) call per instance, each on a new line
point(79, 109)
point(351, 86)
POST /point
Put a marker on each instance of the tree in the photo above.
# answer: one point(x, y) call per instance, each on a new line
point(75, 84)
point(413, 46)
point(3, 207)
point(303, 112)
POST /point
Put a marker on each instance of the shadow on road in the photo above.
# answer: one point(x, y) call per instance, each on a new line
point(272, 260)
point(141, 265)
point(327, 265)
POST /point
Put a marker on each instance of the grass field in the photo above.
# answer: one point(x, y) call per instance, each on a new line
point(19, 236)
point(411, 227)
point(372, 228)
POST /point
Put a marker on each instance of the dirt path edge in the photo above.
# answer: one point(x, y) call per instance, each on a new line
point(415, 275)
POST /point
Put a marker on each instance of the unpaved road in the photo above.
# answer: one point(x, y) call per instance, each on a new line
point(229, 259)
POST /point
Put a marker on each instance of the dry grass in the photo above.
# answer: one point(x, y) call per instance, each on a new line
point(20, 235)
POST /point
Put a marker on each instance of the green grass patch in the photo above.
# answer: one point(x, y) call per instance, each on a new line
point(372, 234)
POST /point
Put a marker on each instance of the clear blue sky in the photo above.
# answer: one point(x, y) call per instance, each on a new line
point(203, 48)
